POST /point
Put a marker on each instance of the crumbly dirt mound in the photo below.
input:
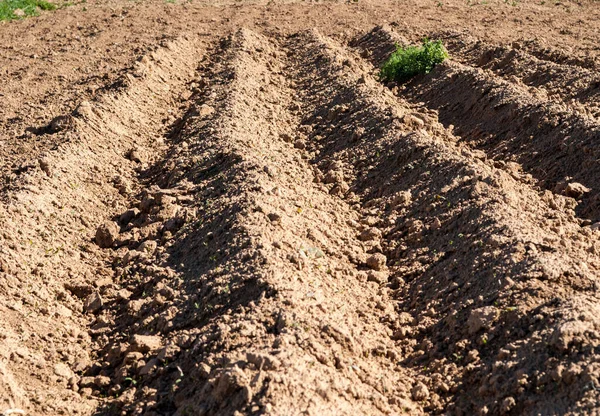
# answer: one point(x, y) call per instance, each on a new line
point(54, 277)
point(526, 123)
point(567, 84)
point(249, 222)
point(260, 303)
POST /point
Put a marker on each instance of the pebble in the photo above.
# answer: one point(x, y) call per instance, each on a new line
point(420, 392)
point(149, 367)
point(135, 155)
point(62, 370)
point(148, 247)
point(340, 189)
point(333, 176)
point(146, 343)
point(84, 110)
point(507, 405)
point(286, 137)
point(205, 110)
point(124, 294)
point(481, 318)
point(370, 234)
point(300, 144)
point(377, 277)
point(377, 261)
point(263, 361)
point(45, 166)
point(576, 190)
point(357, 134)
point(102, 381)
point(106, 234)
point(128, 216)
point(274, 217)
point(402, 199)
point(414, 121)
point(93, 303)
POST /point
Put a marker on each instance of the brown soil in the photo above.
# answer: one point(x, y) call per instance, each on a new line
point(214, 208)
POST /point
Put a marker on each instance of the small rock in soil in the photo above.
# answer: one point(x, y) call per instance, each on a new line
point(507, 405)
point(62, 370)
point(148, 367)
point(370, 234)
point(45, 166)
point(123, 294)
point(263, 361)
point(482, 318)
point(102, 381)
point(84, 110)
point(286, 137)
point(274, 217)
point(146, 343)
point(340, 189)
point(378, 277)
point(128, 216)
point(93, 303)
point(300, 144)
point(135, 155)
point(377, 261)
point(148, 247)
point(106, 234)
point(333, 176)
point(122, 185)
point(358, 134)
point(414, 121)
point(168, 353)
point(576, 190)
point(59, 123)
point(402, 199)
point(205, 110)
point(420, 392)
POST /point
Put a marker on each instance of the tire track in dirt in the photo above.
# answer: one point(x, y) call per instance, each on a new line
point(557, 146)
point(494, 296)
point(52, 274)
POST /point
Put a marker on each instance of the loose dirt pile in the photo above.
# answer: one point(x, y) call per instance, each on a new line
point(251, 223)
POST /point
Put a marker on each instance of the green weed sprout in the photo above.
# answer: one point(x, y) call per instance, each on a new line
point(405, 63)
point(27, 8)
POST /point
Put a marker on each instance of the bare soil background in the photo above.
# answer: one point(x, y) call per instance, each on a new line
point(216, 208)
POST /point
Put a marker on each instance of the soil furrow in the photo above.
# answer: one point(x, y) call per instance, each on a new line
point(577, 88)
point(465, 243)
point(558, 147)
point(262, 227)
point(53, 275)
point(251, 298)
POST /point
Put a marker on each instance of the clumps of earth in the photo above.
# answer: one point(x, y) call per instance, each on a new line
point(257, 225)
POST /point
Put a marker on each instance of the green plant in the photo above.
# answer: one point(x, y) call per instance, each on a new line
point(405, 63)
point(131, 380)
point(17, 9)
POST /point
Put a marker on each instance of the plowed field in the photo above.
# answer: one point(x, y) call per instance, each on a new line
point(219, 209)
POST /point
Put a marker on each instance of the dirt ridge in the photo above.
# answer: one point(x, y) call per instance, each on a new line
point(570, 85)
point(50, 221)
point(260, 226)
point(554, 144)
point(435, 188)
